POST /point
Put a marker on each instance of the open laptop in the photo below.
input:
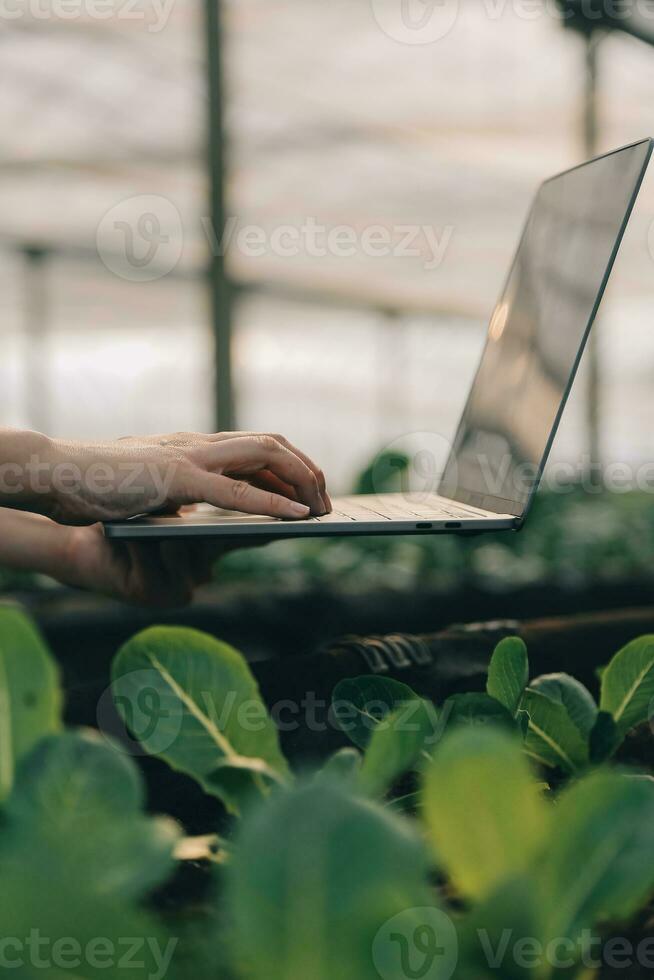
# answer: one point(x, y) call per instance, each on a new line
point(535, 340)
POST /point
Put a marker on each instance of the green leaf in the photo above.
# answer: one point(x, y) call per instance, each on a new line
point(598, 865)
point(476, 710)
point(552, 738)
point(576, 699)
point(343, 765)
point(492, 930)
point(361, 703)
point(408, 803)
point(522, 722)
point(30, 695)
point(92, 935)
point(315, 874)
point(628, 684)
point(75, 853)
point(508, 673)
point(78, 801)
point(604, 738)
point(397, 744)
point(384, 474)
point(239, 781)
point(193, 701)
point(484, 812)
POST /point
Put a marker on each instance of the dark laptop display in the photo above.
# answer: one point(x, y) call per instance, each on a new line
point(538, 329)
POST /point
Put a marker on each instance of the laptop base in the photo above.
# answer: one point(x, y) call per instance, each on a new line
point(389, 513)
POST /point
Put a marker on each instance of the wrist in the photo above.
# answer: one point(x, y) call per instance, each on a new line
point(27, 459)
point(31, 542)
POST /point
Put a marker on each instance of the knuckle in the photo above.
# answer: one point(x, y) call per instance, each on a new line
point(313, 482)
point(186, 485)
point(268, 443)
point(177, 439)
point(240, 490)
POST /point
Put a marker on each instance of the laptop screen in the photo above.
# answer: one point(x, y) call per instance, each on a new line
point(538, 330)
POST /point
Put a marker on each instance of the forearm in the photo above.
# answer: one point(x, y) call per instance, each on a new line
point(30, 542)
point(26, 460)
point(70, 482)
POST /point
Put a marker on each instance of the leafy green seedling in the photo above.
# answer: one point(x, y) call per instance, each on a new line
point(508, 673)
point(343, 765)
point(604, 738)
point(316, 873)
point(628, 684)
point(30, 695)
point(552, 737)
point(474, 710)
point(394, 726)
point(575, 698)
point(360, 704)
point(193, 701)
point(79, 801)
point(598, 865)
point(78, 855)
point(484, 811)
point(398, 744)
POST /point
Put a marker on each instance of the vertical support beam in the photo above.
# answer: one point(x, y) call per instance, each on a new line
point(590, 135)
point(391, 370)
point(219, 286)
point(35, 332)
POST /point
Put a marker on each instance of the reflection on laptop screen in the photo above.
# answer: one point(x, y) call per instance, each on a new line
point(538, 329)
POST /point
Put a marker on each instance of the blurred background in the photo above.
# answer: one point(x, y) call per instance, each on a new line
point(296, 216)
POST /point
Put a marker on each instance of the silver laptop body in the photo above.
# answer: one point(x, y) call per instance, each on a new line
point(535, 340)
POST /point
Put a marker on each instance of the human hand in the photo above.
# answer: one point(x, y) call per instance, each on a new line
point(81, 483)
point(149, 573)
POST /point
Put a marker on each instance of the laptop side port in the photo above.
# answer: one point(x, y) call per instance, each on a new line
point(424, 527)
point(453, 524)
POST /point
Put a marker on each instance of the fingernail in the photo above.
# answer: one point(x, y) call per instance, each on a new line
point(298, 510)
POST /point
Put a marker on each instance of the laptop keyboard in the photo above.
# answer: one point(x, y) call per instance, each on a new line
point(397, 507)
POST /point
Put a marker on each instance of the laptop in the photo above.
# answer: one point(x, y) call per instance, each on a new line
point(536, 336)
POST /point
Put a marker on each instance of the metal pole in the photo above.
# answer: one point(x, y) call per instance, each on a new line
point(220, 290)
point(35, 328)
point(591, 127)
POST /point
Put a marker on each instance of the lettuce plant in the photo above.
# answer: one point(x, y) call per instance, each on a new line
point(489, 836)
point(78, 856)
